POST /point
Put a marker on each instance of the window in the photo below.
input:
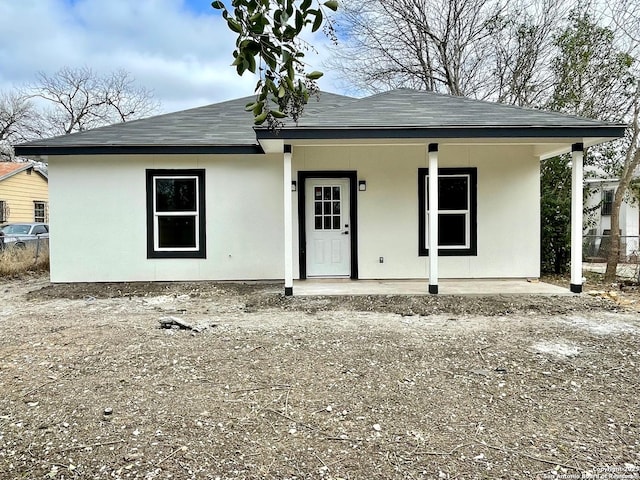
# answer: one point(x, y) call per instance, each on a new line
point(326, 203)
point(457, 199)
point(4, 211)
point(607, 202)
point(39, 212)
point(175, 214)
point(39, 230)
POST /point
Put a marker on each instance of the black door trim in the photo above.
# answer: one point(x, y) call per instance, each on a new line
point(352, 175)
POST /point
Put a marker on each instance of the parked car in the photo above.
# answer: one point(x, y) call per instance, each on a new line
point(21, 234)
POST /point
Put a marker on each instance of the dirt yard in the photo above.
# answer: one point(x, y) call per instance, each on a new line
point(266, 387)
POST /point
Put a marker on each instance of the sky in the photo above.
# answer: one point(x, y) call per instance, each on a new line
point(179, 49)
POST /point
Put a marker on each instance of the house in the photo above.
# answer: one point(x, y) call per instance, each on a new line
point(599, 200)
point(203, 195)
point(24, 195)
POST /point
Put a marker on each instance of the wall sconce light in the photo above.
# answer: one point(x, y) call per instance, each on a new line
point(362, 185)
point(294, 186)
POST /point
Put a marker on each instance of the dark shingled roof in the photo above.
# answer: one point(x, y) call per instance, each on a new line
point(415, 108)
point(227, 128)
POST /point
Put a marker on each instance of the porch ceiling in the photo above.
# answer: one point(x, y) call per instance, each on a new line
point(542, 147)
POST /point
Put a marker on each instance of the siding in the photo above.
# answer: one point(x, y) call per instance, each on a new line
point(20, 191)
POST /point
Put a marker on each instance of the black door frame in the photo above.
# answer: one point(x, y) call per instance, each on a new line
point(352, 176)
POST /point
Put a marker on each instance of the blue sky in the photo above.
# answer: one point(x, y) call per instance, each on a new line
point(180, 49)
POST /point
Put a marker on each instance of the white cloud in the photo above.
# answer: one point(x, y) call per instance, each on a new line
point(182, 54)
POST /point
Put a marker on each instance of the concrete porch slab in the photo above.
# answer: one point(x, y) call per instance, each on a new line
point(334, 286)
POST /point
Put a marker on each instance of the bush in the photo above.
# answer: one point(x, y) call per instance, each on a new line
point(17, 261)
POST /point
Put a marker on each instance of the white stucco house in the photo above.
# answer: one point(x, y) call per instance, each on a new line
point(203, 195)
point(601, 190)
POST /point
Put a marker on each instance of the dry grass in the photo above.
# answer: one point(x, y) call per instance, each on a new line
point(15, 262)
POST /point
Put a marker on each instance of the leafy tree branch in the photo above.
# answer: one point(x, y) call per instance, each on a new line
point(269, 45)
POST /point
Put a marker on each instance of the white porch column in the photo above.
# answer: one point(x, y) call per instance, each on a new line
point(433, 218)
point(288, 224)
point(577, 157)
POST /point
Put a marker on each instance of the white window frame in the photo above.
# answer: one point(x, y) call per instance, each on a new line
point(467, 212)
point(157, 215)
point(44, 211)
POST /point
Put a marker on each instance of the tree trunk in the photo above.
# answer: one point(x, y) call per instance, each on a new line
point(614, 245)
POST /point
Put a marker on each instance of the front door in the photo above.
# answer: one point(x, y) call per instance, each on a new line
point(328, 233)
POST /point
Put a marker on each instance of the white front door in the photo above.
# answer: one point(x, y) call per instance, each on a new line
point(328, 233)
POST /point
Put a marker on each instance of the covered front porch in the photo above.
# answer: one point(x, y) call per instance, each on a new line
point(517, 286)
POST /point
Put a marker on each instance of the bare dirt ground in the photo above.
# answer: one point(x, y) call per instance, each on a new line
point(323, 388)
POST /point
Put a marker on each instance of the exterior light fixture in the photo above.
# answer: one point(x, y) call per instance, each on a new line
point(362, 185)
point(294, 186)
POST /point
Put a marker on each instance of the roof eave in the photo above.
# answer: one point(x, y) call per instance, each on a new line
point(335, 133)
point(159, 149)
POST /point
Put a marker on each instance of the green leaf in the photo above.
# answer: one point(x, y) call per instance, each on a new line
point(315, 75)
point(278, 114)
point(218, 5)
point(250, 106)
point(305, 5)
point(299, 21)
point(331, 4)
point(317, 23)
point(281, 91)
point(233, 25)
point(259, 119)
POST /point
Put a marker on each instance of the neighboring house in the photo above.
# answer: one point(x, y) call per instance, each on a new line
point(24, 193)
point(203, 195)
point(598, 227)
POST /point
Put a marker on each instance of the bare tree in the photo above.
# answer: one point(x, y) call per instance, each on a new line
point(19, 121)
point(477, 48)
point(629, 167)
point(80, 99)
point(522, 44)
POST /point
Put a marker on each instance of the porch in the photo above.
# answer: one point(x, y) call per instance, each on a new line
point(312, 287)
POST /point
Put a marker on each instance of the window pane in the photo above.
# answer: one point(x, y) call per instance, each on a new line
point(327, 223)
point(177, 232)
point(327, 208)
point(451, 229)
point(336, 193)
point(327, 193)
point(317, 193)
point(175, 194)
point(336, 207)
point(318, 223)
point(336, 223)
point(452, 193)
point(318, 208)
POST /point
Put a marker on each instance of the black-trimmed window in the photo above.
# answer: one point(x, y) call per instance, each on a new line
point(176, 214)
point(457, 204)
point(607, 202)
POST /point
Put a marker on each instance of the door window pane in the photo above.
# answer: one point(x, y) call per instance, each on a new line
point(318, 223)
